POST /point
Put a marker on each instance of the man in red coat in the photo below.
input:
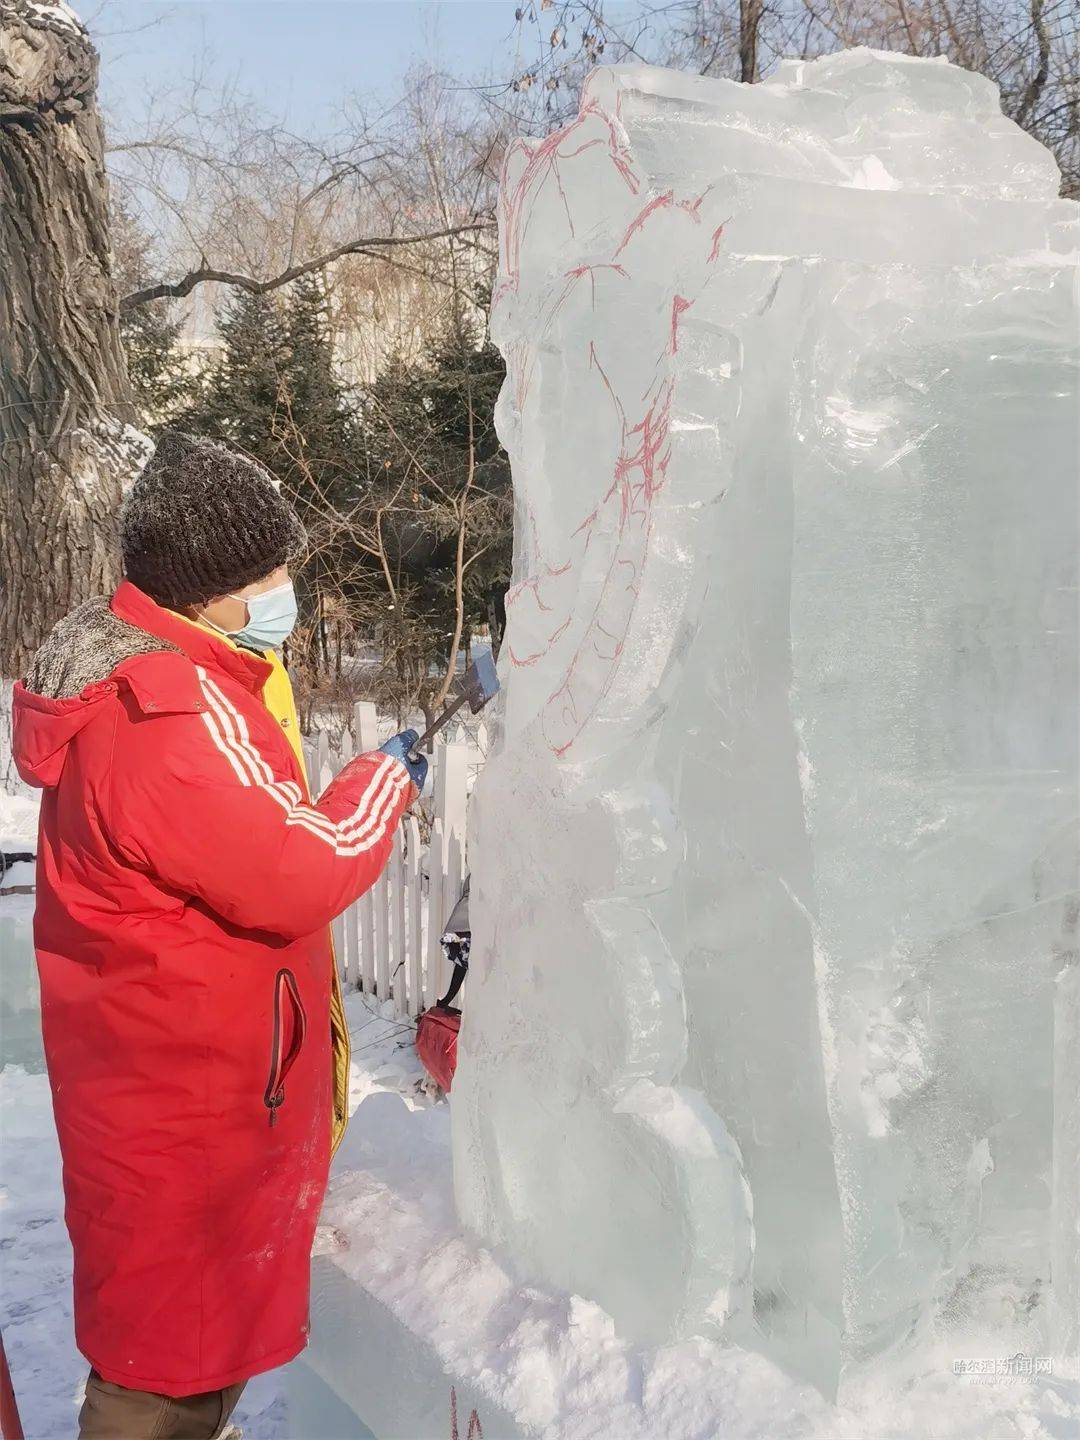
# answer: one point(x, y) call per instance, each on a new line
point(191, 1012)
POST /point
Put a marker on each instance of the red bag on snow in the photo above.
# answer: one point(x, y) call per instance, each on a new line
point(437, 1029)
point(436, 1042)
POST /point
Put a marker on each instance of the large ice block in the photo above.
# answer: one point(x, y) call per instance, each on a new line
point(775, 871)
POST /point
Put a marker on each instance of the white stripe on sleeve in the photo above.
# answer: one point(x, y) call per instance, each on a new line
point(355, 834)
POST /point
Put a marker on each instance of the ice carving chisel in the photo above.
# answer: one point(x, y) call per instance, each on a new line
point(475, 688)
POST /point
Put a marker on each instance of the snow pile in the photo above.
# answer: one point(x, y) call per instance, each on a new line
point(18, 821)
point(19, 804)
point(552, 1361)
point(35, 1309)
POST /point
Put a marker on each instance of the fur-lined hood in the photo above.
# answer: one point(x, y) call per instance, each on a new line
point(85, 647)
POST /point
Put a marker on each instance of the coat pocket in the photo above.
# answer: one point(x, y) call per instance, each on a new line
point(290, 1027)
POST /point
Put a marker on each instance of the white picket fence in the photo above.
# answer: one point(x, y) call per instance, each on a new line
point(387, 943)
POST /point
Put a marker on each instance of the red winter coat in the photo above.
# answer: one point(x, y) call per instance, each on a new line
point(184, 893)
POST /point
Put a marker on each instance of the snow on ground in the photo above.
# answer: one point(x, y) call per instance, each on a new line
point(18, 803)
point(554, 1362)
point(18, 821)
point(35, 1255)
point(551, 1359)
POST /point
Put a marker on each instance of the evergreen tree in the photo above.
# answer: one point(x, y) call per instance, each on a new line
point(443, 482)
point(319, 411)
point(274, 392)
point(404, 489)
point(162, 378)
point(318, 459)
point(163, 381)
point(240, 392)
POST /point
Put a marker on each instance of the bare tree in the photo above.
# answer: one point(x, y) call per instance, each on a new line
point(1029, 48)
point(244, 204)
point(373, 588)
point(65, 406)
point(440, 168)
point(749, 21)
point(234, 198)
point(362, 245)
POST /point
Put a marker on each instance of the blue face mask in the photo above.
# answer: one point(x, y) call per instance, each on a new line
point(271, 617)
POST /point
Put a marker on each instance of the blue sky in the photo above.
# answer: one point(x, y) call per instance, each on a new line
point(299, 58)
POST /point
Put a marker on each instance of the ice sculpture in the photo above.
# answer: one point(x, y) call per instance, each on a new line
point(772, 1026)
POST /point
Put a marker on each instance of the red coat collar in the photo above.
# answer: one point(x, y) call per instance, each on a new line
point(131, 604)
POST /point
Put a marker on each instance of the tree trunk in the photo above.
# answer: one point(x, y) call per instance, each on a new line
point(749, 20)
point(497, 617)
point(67, 441)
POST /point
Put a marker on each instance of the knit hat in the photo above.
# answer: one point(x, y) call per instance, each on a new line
point(204, 520)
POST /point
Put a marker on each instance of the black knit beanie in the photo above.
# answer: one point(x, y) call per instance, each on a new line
point(204, 520)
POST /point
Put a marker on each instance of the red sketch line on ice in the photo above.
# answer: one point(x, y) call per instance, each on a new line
point(644, 446)
point(521, 357)
point(693, 207)
point(658, 202)
point(679, 306)
point(474, 1431)
point(523, 661)
point(640, 471)
point(516, 198)
point(590, 270)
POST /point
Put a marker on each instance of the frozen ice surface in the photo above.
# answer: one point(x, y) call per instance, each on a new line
point(773, 1019)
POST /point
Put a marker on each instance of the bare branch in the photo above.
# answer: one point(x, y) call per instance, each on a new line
point(1038, 80)
point(174, 290)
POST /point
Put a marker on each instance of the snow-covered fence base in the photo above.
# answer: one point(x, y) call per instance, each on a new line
point(387, 943)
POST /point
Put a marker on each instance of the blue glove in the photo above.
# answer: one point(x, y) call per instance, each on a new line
point(399, 746)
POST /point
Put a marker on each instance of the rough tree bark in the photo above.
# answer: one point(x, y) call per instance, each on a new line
point(749, 20)
point(67, 442)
